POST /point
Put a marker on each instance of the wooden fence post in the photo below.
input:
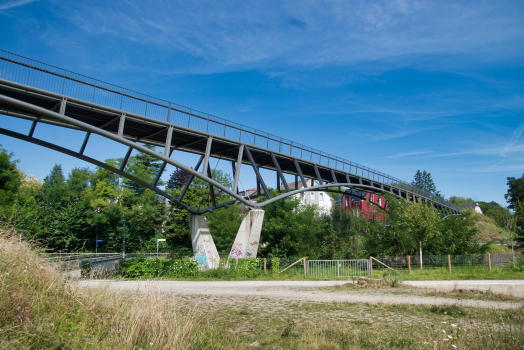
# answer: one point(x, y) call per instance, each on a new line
point(265, 272)
point(224, 264)
point(449, 263)
point(305, 267)
point(409, 263)
point(370, 265)
point(489, 261)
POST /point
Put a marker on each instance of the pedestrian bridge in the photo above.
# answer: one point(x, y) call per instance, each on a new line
point(43, 93)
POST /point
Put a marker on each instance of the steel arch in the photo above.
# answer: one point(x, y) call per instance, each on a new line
point(62, 119)
point(163, 123)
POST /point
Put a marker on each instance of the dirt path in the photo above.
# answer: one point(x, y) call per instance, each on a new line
point(312, 291)
point(511, 287)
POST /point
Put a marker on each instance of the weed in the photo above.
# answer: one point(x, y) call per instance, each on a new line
point(288, 329)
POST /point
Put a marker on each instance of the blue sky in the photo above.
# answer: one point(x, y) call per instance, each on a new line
point(396, 86)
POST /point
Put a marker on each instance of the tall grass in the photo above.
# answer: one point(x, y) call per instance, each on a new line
point(39, 309)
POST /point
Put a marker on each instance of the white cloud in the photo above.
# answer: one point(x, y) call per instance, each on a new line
point(312, 34)
point(402, 155)
point(514, 139)
point(9, 4)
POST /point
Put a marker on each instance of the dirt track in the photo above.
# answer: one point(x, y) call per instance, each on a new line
point(313, 291)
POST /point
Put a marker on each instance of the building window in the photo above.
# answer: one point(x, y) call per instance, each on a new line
point(321, 195)
point(312, 195)
point(302, 195)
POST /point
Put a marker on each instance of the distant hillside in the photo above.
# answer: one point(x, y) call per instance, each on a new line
point(487, 227)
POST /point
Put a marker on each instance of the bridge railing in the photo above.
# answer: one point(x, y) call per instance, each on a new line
point(44, 76)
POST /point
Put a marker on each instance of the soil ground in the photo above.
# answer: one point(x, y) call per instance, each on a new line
point(319, 291)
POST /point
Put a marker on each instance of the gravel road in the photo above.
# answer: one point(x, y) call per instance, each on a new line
point(312, 291)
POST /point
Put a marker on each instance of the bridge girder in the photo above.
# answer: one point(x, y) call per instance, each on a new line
point(115, 129)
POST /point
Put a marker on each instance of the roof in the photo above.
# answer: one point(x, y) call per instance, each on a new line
point(292, 185)
point(471, 205)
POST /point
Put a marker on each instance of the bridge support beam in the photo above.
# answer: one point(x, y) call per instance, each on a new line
point(204, 248)
point(248, 236)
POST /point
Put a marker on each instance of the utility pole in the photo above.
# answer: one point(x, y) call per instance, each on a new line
point(124, 241)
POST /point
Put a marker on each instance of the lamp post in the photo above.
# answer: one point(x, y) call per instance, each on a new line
point(124, 241)
point(158, 240)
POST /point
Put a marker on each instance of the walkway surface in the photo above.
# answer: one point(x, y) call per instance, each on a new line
point(316, 291)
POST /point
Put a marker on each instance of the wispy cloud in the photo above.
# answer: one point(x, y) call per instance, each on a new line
point(402, 155)
point(484, 151)
point(514, 139)
point(313, 34)
point(6, 5)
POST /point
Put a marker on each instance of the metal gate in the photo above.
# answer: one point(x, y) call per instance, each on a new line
point(338, 268)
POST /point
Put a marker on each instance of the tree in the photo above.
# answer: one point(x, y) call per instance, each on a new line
point(424, 180)
point(10, 177)
point(291, 227)
point(460, 200)
point(515, 191)
point(224, 225)
point(456, 235)
point(420, 221)
point(143, 166)
point(177, 179)
point(55, 192)
point(78, 180)
point(341, 235)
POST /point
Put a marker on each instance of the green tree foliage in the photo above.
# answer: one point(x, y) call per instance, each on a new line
point(495, 211)
point(515, 191)
point(65, 214)
point(143, 166)
point(10, 177)
point(55, 192)
point(519, 218)
point(408, 223)
point(424, 180)
point(456, 235)
point(177, 179)
point(291, 228)
point(224, 225)
point(460, 200)
point(341, 234)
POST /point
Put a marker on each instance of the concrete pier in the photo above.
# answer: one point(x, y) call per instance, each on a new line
point(248, 236)
point(204, 249)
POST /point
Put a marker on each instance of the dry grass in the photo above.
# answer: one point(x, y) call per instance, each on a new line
point(40, 310)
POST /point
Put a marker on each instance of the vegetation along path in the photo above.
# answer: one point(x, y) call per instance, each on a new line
point(321, 291)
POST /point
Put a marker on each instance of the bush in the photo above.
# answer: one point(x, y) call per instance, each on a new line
point(188, 267)
point(39, 309)
point(152, 268)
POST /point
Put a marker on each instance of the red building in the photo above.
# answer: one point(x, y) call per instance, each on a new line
point(367, 208)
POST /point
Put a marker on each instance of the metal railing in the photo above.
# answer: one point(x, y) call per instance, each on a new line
point(442, 261)
point(60, 257)
point(338, 268)
point(44, 76)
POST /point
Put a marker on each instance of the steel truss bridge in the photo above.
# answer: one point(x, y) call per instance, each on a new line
point(46, 94)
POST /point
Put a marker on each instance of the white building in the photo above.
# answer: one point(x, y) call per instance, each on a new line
point(322, 199)
point(474, 206)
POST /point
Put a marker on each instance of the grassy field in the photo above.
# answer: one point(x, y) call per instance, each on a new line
point(457, 273)
point(248, 322)
point(41, 310)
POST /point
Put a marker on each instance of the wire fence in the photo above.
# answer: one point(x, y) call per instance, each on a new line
point(338, 268)
point(40, 75)
point(444, 261)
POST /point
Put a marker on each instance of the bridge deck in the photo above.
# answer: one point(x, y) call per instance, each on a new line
point(148, 119)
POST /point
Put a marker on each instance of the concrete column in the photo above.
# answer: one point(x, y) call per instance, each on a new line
point(204, 249)
point(248, 236)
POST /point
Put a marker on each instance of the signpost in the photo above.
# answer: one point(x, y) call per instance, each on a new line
point(158, 240)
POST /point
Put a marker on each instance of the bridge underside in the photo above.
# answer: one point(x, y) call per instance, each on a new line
point(42, 106)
